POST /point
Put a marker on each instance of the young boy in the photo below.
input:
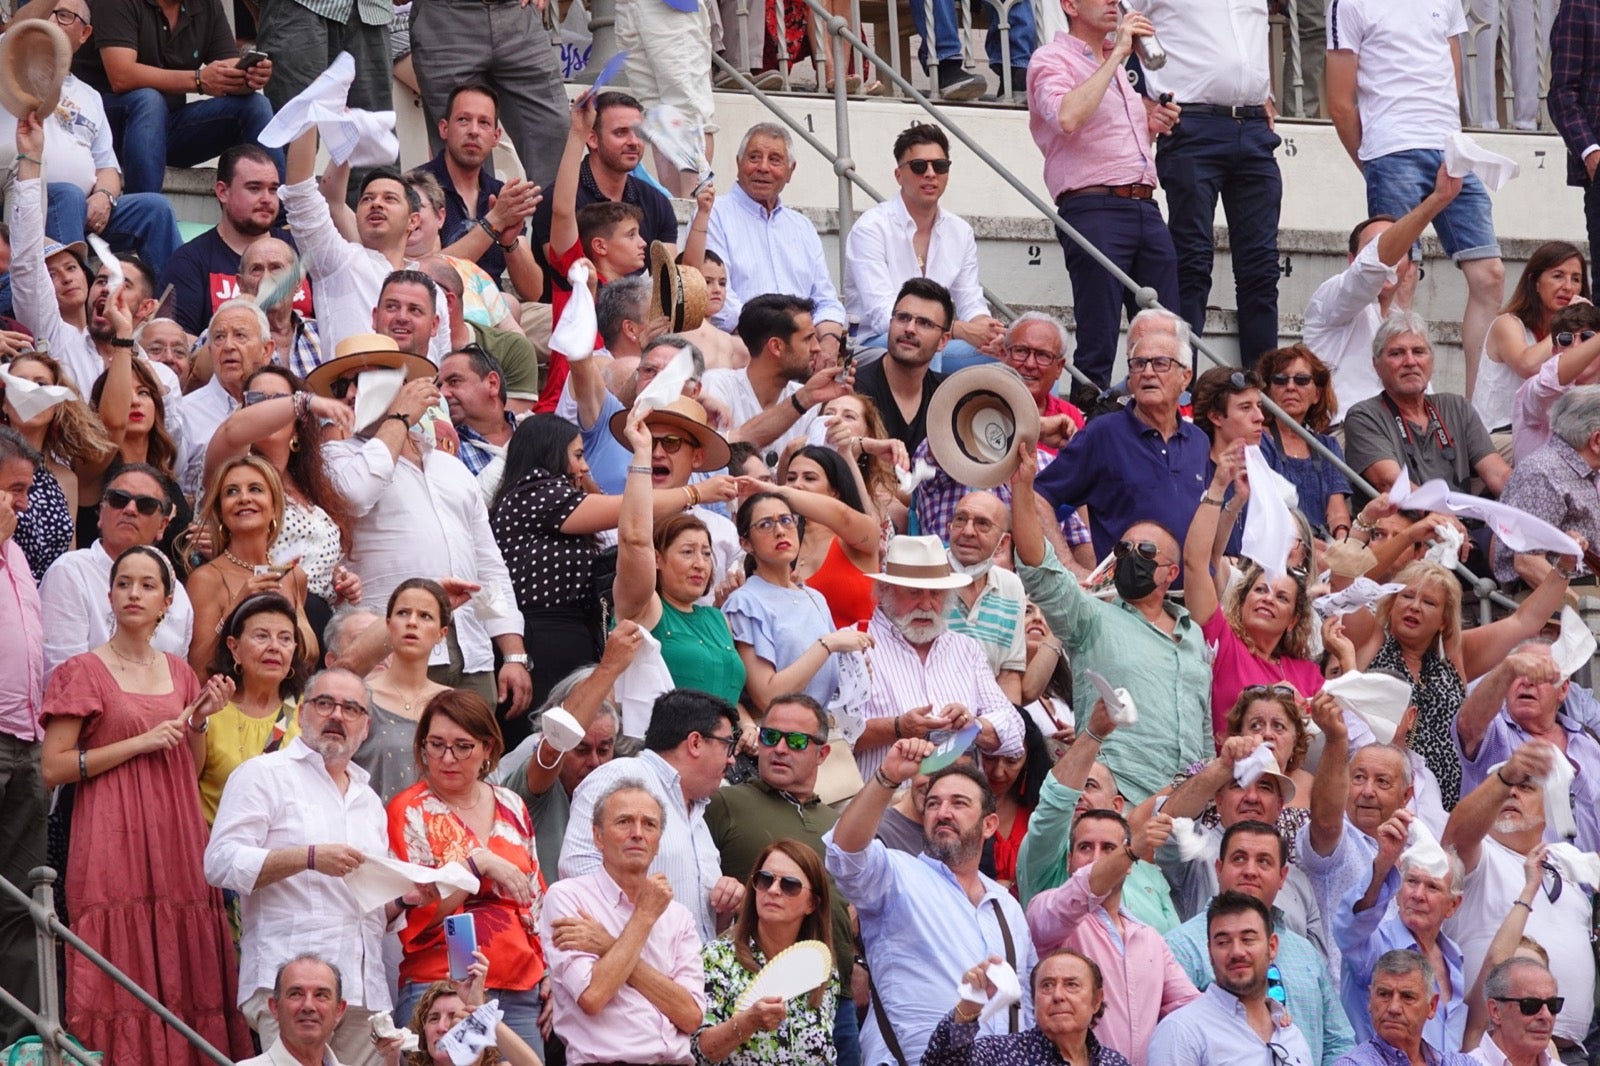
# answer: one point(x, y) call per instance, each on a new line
point(607, 234)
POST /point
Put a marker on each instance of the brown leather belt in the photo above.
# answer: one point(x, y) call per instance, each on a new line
point(1127, 192)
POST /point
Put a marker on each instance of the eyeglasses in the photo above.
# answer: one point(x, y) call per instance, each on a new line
point(326, 705)
point(977, 522)
point(788, 885)
point(1530, 1005)
point(1566, 339)
point(146, 505)
point(797, 741)
point(461, 749)
point(906, 318)
point(771, 522)
point(1021, 353)
point(1146, 548)
point(670, 443)
point(1275, 989)
point(920, 167)
point(1301, 380)
point(65, 18)
point(252, 397)
point(728, 740)
point(340, 388)
point(1161, 364)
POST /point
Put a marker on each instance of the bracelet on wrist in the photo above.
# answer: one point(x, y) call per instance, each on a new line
point(1363, 526)
point(1503, 781)
point(488, 227)
point(122, 342)
point(1207, 501)
point(1092, 735)
point(884, 779)
point(311, 856)
point(83, 765)
point(898, 735)
point(794, 401)
point(639, 470)
point(1522, 903)
point(824, 642)
point(197, 86)
point(28, 159)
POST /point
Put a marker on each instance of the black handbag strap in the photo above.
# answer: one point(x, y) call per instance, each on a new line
point(1011, 958)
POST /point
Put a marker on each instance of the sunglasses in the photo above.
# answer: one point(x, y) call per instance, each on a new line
point(920, 167)
point(1566, 339)
point(1530, 1005)
point(252, 397)
point(771, 522)
point(146, 505)
point(340, 387)
point(1269, 690)
point(1275, 989)
point(789, 886)
point(671, 443)
point(1146, 548)
point(1301, 380)
point(769, 738)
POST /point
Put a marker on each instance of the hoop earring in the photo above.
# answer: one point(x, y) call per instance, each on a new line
point(294, 443)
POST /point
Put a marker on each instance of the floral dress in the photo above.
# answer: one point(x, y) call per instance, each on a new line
point(804, 1039)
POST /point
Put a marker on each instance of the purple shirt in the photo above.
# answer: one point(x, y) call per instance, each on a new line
point(21, 657)
point(1504, 736)
point(1378, 1052)
point(1112, 148)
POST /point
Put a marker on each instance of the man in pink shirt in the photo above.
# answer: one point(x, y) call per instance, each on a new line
point(1096, 134)
point(1143, 982)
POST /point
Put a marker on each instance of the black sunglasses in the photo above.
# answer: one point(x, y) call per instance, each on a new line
point(670, 443)
point(797, 741)
point(1301, 380)
point(1567, 339)
point(252, 397)
point(920, 167)
point(146, 505)
point(789, 886)
point(1529, 1005)
point(339, 388)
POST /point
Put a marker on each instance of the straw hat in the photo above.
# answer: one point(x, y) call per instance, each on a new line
point(687, 415)
point(679, 292)
point(35, 57)
point(974, 420)
point(366, 351)
point(55, 247)
point(919, 563)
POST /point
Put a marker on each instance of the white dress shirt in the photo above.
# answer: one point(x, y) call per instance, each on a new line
point(1216, 51)
point(204, 410)
point(733, 389)
point(285, 799)
point(1341, 319)
point(348, 276)
point(426, 521)
point(880, 257)
point(687, 854)
point(77, 609)
point(776, 251)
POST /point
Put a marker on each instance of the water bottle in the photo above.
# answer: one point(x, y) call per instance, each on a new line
point(1151, 55)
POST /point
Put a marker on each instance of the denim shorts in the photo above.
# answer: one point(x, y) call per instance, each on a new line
point(1400, 181)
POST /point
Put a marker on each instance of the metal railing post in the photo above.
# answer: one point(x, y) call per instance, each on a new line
point(44, 881)
point(843, 164)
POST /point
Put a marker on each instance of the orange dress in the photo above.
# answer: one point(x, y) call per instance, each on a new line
point(849, 592)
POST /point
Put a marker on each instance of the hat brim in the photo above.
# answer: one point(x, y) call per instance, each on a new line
point(708, 440)
point(48, 44)
point(953, 581)
point(320, 380)
point(77, 248)
point(980, 464)
point(1286, 786)
point(677, 293)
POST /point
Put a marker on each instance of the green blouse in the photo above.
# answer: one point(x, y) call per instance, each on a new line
point(698, 650)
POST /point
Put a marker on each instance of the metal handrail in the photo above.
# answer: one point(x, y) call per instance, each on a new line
point(41, 909)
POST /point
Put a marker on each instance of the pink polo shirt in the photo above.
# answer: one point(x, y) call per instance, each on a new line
point(21, 657)
point(1113, 148)
point(1236, 668)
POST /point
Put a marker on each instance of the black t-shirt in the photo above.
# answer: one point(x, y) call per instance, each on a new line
point(871, 382)
point(202, 34)
point(204, 273)
point(660, 222)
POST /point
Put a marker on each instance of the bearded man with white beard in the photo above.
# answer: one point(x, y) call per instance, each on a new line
point(990, 609)
point(1495, 829)
point(917, 663)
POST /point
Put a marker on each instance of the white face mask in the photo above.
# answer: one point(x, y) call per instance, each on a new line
point(975, 570)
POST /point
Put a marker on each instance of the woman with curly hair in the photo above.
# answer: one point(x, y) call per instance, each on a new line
point(1301, 384)
point(876, 454)
point(133, 409)
point(76, 451)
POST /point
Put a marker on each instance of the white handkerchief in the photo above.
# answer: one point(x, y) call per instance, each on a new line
point(644, 679)
point(109, 262)
point(1186, 839)
point(375, 391)
point(289, 550)
point(351, 135)
point(921, 472)
point(1519, 530)
point(1463, 156)
point(1424, 852)
point(381, 878)
point(817, 431)
point(490, 606)
point(1576, 645)
point(1582, 867)
point(667, 386)
point(849, 704)
point(1446, 547)
point(1007, 990)
point(574, 334)
point(30, 399)
point(1118, 702)
point(1362, 592)
point(1248, 770)
point(383, 1029)
point(466, 1041)
point(1269, 528)
point(1380, 699)
point(1558, 795)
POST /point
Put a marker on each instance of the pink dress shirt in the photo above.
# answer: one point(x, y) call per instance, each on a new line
point(1112, 148)
point(1143, 982)
point(22, 656)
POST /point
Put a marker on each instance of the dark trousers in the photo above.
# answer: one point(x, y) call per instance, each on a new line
point(22, 798)
point(1591, 219)
point(1132, 234)
point(1204, 158)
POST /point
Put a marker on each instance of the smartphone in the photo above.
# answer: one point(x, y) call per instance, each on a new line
point(251, 58)
point(461, 940)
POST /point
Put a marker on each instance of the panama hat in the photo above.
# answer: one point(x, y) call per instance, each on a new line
point(678, 292)
point(35, 57)
point(55, 247)
point(687, 415)
point(974, 421)
point(919, 563)
point(366, 351)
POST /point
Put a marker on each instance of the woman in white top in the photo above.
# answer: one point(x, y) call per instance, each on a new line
point(1518, 341)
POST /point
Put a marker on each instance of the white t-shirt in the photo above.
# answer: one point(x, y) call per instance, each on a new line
point(1406, 84)
point(77, 137)
point(732, 387)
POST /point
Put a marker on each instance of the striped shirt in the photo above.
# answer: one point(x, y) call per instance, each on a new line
point(995, 620)
point(372, 12)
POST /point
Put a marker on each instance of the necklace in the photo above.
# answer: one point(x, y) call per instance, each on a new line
point(236, 561)
point(416, 694)
point(131, 662)
point(459, 807)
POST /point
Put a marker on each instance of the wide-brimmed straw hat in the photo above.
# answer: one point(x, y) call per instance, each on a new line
point(676, 291)
point(919, 563)
point(35, 57)
point(974, 420)
point(686, 414)
point(366, 351)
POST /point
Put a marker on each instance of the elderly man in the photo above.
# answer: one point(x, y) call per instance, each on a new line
point(1404, 906)
point(1555, 482)
point(1429, 434)
point(623, 953)
point(295, 341)
point(1493, 829)
point(925, 917)
point(1403, 1000)
point(902, 383)
point(768, 247)
point(134, 509)
point(909, 236)
point(291, 824)
point(1520, 700)
point(989, 609)
point(1254, 860)
point(1574, 361)
point(1137, 639)
point(1142, 980)
point(1236, 1019)
point(240, 341)
point(774, 399)
point(1517, 1037)
point(1145, 462)
point(1095, 132)
point(916, 660)
point(307, 1006)
point(1035, 346)
point(687, 748)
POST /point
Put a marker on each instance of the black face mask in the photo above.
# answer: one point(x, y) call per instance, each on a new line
point(1135, 576)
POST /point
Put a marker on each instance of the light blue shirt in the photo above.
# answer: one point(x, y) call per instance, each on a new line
point(1213, 1031)
point(765, 252)
point(921, 933)
point(781, 625)
point(1332, 876)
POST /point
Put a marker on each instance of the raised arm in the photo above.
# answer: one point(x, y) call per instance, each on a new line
point(1191, 797)
point(564, 196)
point(585, 701)
point(1475, 815)
point(1484, 646)
point(859, 823)
point(1330, 789)
point(1202, 596)
point(634, 589)
point(1080, 103)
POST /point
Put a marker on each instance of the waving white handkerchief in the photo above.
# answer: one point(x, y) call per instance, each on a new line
point(1424, 851)
point(109, 262)
point(1558, 795)
point(1463, 156)
point(574, 334)
point(1118, 702)
point(1582, 867)
point(1269, 528)
point(667, 386)
point(1007, 990)
point(1248, 770)
point(351, 135)
point(383, 1029)
point(375, 391)
point(490, 606)
point(1380, 699)
point(919, 473)
point(380, 879)
point(1187, 839)
point(1446, 547)
point(30, 399)
point(1575, 646)
point(640, 683)
point(465, 1042)
point(1362, 592)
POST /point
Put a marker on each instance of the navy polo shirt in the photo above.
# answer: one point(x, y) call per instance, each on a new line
point(458, 220)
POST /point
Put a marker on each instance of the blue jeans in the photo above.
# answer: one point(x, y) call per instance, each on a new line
point(1399, 181)
point(947, 32)
point(183, 137)
point(846, 1031)
point(521, 1010)
point(956, 355)
point(141, 223)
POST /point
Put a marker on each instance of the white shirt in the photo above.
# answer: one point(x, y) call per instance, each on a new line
point(880, 257)
point(204, 410)
point(348, 276)
point(733, 389)
point(777, 251)
point(1216, 50)
point(285, 799)
point(687, 854)
point(1341, 319)
point(75, 593)
point(726, 554)
point(77, 138)
point(276, 1055)
point(426, 521)
point(1406, 79)
point(1489, 1053)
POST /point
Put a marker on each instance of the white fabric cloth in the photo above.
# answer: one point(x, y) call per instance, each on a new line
point(77, 609)
point(636, 689)
point(880, 257)
point(1406, 88)
point(1216, 52)
point(769, 252)
point(349, 134)
point(1269, 528)
point(204, 409)
point(1463, 156)
point(1341, 320)
point(30, 399)
point(278, 1055)
point(285, 799)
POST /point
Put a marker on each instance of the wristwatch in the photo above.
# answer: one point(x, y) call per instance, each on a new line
point(519, 658)
point(112, 200)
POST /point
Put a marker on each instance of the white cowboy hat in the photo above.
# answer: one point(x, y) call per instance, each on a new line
point(919, 563)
